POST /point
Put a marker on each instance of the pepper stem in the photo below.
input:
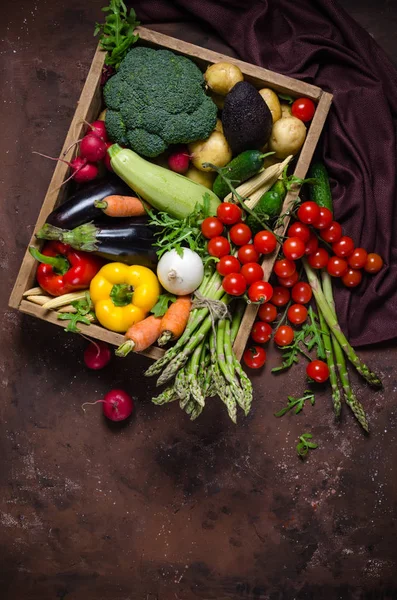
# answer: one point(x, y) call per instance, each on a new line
point(121, 294)
point(60, 264)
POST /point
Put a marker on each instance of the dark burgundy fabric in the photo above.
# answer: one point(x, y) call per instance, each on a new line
point(318, 42)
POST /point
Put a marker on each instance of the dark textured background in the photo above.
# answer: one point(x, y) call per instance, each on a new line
point(163, 509)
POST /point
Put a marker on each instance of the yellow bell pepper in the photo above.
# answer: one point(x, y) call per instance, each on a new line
point(123, 295)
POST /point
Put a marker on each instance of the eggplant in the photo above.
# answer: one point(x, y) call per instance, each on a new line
point(79, 208)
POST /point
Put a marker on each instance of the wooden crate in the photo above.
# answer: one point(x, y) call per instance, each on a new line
point(88, 108)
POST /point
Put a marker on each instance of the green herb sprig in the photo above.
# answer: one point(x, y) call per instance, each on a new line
point(162, 304)
point(296, 403)
point(84, 310)
point(117, 33)
point(304, 445)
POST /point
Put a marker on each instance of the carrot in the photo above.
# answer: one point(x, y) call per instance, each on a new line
point(121, 206)
point(140, 336)
point(174, 322)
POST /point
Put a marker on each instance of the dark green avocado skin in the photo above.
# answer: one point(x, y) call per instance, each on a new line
point(246, 118)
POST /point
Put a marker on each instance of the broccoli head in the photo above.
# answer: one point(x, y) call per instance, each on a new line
point(156, 99)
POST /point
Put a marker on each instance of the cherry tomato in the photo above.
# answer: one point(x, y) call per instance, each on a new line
point(218, 246)
point(374, 263)
point(352, 278)
point(252, 272)
point(324, 220)
point(289, 281)
point(254, 357)
point(228, 264)
point(284, 335)
point(343, 247)
point(293, 248)
point(267, 312)
point(229, 213)
point(281, 296)
point(319, 259)
point(299, 230)
point(234, 284)
point(247, 254)
point(284, 267)
point(211, 227)
point(297, 314)
point(240, 234)
point(261, 332)
point(303, 109)
point(265, 242)
point(336, 266)
point(308, 213)
point(311, 245)
point(260, 291)
point(301, 292)
point(332, 234)
point(318, 371)
point(357, 258)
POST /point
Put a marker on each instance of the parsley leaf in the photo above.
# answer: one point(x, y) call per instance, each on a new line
point(117, 33)
point(304, 445)
point(296, 403)
point(162, 304)
point(287, 98)
point(84, 314)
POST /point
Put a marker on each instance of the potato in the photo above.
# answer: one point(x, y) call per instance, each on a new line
point(219, 126)
point(222, 76)
point(214, 149)
point(285, 110)
point(102, 115)
point(206, 178)
point(272, 102)
point(287, 137)
point(218, 100)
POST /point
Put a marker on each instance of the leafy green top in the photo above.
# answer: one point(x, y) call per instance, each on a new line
point(117, 33)
point(304, 445)
point(84, 310)
point(296, 403)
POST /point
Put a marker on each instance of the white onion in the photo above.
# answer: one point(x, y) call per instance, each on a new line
point(180, 275)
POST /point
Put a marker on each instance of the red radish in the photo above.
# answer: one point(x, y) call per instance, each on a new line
point(92, 147)
point(82, 170)
point(106, 160)
point(97, 355)
point(117, 405)
point(179, 161)
point(99, 128)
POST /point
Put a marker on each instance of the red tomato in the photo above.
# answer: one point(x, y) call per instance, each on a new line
point(352, 278)
point(324, 220)
point(318, 371)
point(247, 254)
point(332, 234)
point(319, 259)
point(284, 267)
point(228, 264)
point(267, 312)
point(374, 263)
point(284, 335)
point(299, 230)
point(260, 291)
point(254, 357)
point(281, 296)
point(261, 332)
point(357, 258)
point(308, 213)
point(218, 246)
point(336, 266)
point(229, 213)
point(240, 234)
point(265, 242)
point(289, 281)
point(303, 109)
point(234, 284)
point(311, 245)
point(297, 314)
point(301, 292)
point(343, 247)
point(252, 272)
point(293, 248)
point(211, 227)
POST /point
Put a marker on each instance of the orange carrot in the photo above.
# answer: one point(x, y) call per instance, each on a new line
point(140, 336)
point(174, 322)
point(121, 206)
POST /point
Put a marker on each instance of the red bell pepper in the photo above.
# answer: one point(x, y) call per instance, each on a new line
point(64, 270)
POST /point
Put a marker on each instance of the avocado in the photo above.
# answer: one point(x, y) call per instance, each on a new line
point(246, 119)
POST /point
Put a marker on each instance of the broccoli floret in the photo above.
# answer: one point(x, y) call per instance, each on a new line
point(156, 99)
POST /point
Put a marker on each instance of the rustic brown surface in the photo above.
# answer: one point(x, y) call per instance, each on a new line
point(162, 508)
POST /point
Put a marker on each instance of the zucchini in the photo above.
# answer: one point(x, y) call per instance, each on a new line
point(241, 168)
point(320, 191)
point(161, 188)
point(269, 205)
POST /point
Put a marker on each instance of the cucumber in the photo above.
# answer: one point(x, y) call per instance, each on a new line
point(241, 168)
point(269, 205)
point(320, 192)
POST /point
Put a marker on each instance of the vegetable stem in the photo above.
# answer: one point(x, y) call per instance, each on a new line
point(60, 264)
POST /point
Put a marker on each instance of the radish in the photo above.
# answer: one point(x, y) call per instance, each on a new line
point(106, 160)
point(179, 160)
point(82, 170)
point(117, 405)
point(99, 128)
point(97, 355)
point(92, 147)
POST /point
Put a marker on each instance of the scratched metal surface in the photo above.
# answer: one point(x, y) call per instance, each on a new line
point(163, 509)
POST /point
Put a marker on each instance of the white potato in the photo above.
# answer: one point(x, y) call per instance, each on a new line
point(206, 178)
point(285, 110)
point(214, 149)
point(272, 102)
point(222, 76)
point(287, 137)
